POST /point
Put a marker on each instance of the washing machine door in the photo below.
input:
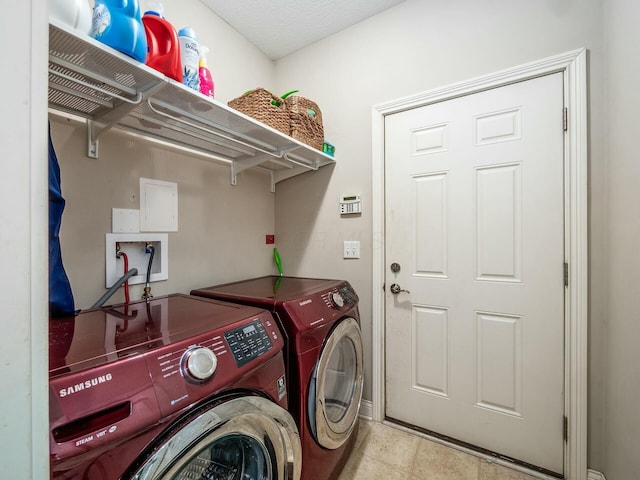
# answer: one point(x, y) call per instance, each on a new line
point(336, 386)
point(246, 438)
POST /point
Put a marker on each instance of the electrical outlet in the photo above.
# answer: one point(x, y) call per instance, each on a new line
point(134, 245)
point(351, 249)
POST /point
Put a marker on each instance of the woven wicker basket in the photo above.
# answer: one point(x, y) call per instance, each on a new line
point(305, 127)
point(258, 104)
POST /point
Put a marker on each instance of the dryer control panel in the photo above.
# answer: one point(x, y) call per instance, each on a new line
point(338, 298)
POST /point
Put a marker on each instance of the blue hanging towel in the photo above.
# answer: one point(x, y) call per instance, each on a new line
point(60, 295)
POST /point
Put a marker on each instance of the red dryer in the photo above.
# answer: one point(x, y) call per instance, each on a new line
point(324, 360)
point(178, 387)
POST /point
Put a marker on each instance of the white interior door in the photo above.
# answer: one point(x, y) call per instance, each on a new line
point(474, 220)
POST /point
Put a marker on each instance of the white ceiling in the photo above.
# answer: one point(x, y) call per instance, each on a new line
point(280, 27)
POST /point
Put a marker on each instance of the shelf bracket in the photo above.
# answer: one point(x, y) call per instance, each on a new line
point(92, 140)
point(97, 127)
point(242, 164)
point(297, 168)
point(280, 175)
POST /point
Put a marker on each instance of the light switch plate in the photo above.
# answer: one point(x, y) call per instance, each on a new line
point(351, 249)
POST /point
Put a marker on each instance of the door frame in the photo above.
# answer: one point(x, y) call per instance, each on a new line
point(573, 65)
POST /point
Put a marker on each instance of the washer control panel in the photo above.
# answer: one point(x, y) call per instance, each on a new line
point(248, 342)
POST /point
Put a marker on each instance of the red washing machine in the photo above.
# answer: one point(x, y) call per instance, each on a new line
point(325, 363)
point(179, 387)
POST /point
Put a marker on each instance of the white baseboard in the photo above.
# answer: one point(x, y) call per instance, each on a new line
point(366, 409)
point(594, 475)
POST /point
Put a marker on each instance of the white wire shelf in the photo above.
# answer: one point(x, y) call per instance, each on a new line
point(111, 90)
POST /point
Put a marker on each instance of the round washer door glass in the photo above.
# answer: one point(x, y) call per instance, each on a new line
point(247, 438)
point(336, 388)
point(228, 457)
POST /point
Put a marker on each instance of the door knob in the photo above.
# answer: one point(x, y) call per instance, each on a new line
point(396, 289)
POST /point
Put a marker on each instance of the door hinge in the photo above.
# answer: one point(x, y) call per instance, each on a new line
point(565, 428)
point(565, 119)
point(566, 274)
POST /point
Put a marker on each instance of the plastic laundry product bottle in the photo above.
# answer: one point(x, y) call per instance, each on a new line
point(153, 6)
point(75, 13)
point(206, 80)
point(190, 55)
point(163, 45)
point(117, 23)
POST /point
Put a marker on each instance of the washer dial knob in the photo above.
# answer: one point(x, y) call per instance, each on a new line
point(199, 363)
point(337, 300)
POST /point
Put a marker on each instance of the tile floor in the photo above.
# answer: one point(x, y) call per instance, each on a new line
point(386, 453)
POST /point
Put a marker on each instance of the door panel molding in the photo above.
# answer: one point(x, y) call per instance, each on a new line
point(573, 65)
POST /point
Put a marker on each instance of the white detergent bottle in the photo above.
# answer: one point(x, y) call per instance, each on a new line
point(190, 54)
point(75, 13)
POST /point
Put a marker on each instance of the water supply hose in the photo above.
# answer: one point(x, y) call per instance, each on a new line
point(125, 259)
point(147, 286)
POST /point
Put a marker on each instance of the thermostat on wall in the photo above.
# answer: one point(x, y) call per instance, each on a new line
point(350, 204)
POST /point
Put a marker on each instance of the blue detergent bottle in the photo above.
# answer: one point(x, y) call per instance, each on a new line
point(118, 23)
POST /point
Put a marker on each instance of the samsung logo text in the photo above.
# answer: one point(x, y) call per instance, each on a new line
point(87, 384)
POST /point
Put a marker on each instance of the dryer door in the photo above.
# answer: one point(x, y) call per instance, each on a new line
point(248, 438)
point(336, 386)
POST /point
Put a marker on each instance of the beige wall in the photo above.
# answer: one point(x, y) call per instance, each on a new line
point(221, 227)
point(412, 48)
